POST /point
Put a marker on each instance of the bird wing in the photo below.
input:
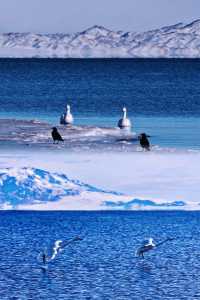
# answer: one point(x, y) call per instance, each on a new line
point(57, 246)
point(67, 242)
point(59, 136)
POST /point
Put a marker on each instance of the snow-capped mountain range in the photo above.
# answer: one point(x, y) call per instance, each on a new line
point(30, 187)
point(38, 189)
point(179, 40)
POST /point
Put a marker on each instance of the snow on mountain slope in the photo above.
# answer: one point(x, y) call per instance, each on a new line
point(37, 189)
point(20, 187)
point(178, 40)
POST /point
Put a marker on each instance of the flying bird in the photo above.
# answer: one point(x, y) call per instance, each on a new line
point(144, 142)
point(56, 135)
point(148, 245)
point(58, 247)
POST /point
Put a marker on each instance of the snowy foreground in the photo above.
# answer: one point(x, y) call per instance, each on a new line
point(180, 40)
point(57, 180)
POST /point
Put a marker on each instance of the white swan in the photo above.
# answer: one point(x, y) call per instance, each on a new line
point(124, 122)
point(67, 118)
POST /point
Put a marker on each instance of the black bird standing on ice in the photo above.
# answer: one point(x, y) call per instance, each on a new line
point(144, 142)
point(56, 135)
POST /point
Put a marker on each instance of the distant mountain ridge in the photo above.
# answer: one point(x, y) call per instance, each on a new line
point(179, 40)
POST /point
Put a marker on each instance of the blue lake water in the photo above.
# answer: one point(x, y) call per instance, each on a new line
point(103, 265)
point(163, 99)
point(99, 87)
point(162, 96)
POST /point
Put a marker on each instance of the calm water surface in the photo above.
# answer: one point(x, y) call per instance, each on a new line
point(101, 86)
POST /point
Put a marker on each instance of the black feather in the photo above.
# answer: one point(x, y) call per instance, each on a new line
point(56, 135)
point(144, 142)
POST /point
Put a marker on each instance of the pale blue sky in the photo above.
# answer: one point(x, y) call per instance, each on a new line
point(76, 15)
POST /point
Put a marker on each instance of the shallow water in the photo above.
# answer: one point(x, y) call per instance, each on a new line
point(101, 134)
point(162, 96)
point(103, 265)
point(76, 138)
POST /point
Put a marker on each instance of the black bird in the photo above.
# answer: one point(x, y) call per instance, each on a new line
point(144, 142)
point(56, 135)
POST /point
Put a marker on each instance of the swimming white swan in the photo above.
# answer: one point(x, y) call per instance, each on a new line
point(67, 118)
point(124, 122)
point(149, 245)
